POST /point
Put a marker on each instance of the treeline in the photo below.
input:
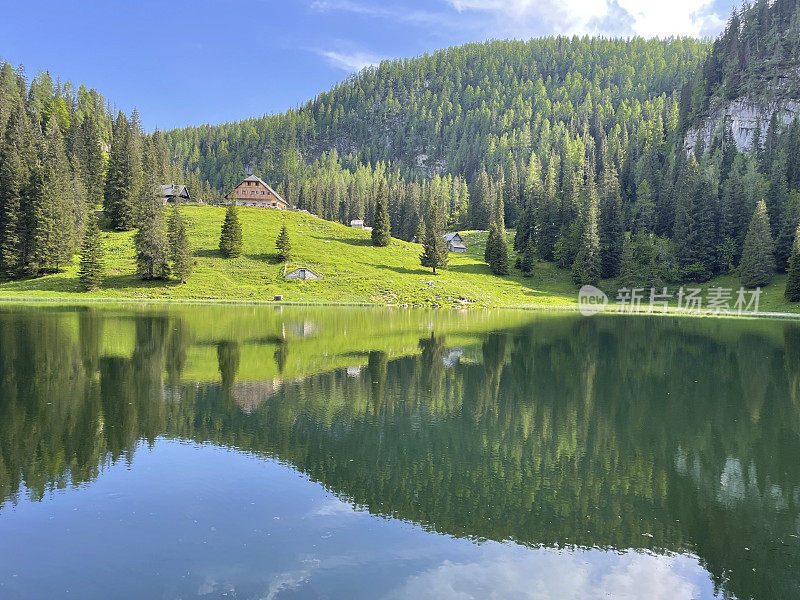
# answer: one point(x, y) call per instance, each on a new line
point(458, 111)
point(62, 156)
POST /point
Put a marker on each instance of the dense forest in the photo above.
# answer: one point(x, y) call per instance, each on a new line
point(577, 143)
point(62, 156)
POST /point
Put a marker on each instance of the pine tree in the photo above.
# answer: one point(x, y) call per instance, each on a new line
point(528, 257)
point(785, 241)
point(792, 292)
point(284, 244)
point(179, 253)
point(480, 202)
point(586, 268)
point(434, 254)
point(152, 246)
point(496, 254)
point(14, 183)
point(758, 260)
point(51, 215)
point(381, 233)
point(120, 185)
point(90, 272)
point(612, 230)
point(230, 239)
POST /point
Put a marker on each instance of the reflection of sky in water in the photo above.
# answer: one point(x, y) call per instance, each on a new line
point(186, 520)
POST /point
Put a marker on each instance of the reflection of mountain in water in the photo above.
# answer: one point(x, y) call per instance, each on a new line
point(624, 433)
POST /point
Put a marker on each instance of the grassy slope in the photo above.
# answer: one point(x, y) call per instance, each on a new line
point(355, 272)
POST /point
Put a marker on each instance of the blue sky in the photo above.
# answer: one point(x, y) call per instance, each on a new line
point(190, 62)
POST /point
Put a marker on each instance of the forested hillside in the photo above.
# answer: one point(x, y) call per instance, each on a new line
point(455, 113)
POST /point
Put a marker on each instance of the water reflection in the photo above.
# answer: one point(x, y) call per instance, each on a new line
point(674, 442)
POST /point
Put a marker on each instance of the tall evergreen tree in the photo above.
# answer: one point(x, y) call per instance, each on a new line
point(381, 232)
point(434, 253)
point(586, 269)
point(496, 254)
point(284, 244)
point(15, 162)
point(50, 213)
point(612, 228)
point(152, 245)
point(179, 253)
point(230, 239)
point(91, 270)
point(792, 292)
point(119, 196)
point(758, 260)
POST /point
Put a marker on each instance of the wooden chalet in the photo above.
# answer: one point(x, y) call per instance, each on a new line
point(254, 192)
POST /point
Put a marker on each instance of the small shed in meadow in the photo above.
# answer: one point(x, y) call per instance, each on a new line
point(305, 273)
point(455, 243)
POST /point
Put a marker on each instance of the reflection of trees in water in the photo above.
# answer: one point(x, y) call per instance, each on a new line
point(587, 432)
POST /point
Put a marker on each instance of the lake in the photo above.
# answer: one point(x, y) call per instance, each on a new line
point(267, 452)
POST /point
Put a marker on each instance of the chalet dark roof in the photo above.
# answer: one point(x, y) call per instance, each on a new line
point(174, 190)
point(448, 237)
point(266, 185)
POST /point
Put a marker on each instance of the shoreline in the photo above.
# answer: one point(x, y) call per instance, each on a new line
point(553, 308)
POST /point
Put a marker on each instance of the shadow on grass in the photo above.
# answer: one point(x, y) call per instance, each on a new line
point(472, 268)
point(209, 253)
point(267, 257)
point(404, 270)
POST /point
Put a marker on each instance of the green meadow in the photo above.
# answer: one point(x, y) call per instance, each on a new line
point(354, 272)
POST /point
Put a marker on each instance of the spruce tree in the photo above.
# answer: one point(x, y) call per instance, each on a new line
point(496, 254)
point(785, 241)
point(152, 246)
point(758, 260)
point(528, 257)
point(586, 268)
point(792, 292)
point(612, 229)
point(90, 272)
point(14, 183)
point(381, 232)
point(434, 254)
point(230, 239)
point(284, 245)
point(179, 253)
point(120, 185)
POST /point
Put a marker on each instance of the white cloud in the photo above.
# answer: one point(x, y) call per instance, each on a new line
point(550, 574)
point(350, 60)
point(647, 18)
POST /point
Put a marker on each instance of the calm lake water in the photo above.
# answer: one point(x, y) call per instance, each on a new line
point(220, 452)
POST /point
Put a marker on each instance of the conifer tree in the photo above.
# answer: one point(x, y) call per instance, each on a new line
point(381, 233)
point(547, 222)
point(90, 272)
point(230, 239)
point(480, 202)
point(14, 183)
point(179, 253)
point(152, 246)
point(612, 229)
point(496, 254)
point(792, 292)
point(785, 241)
point(434, 254)
point(758, 260)
point(586, 268)
point(528, 257)
point(120, 185)
point(284, 244)
point(50, 216)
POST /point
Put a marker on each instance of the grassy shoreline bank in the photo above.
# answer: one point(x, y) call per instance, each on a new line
point(355, 273)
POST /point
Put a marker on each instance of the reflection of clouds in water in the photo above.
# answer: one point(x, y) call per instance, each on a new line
point(291, 580)
point(553, 575)
point(333, 507)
